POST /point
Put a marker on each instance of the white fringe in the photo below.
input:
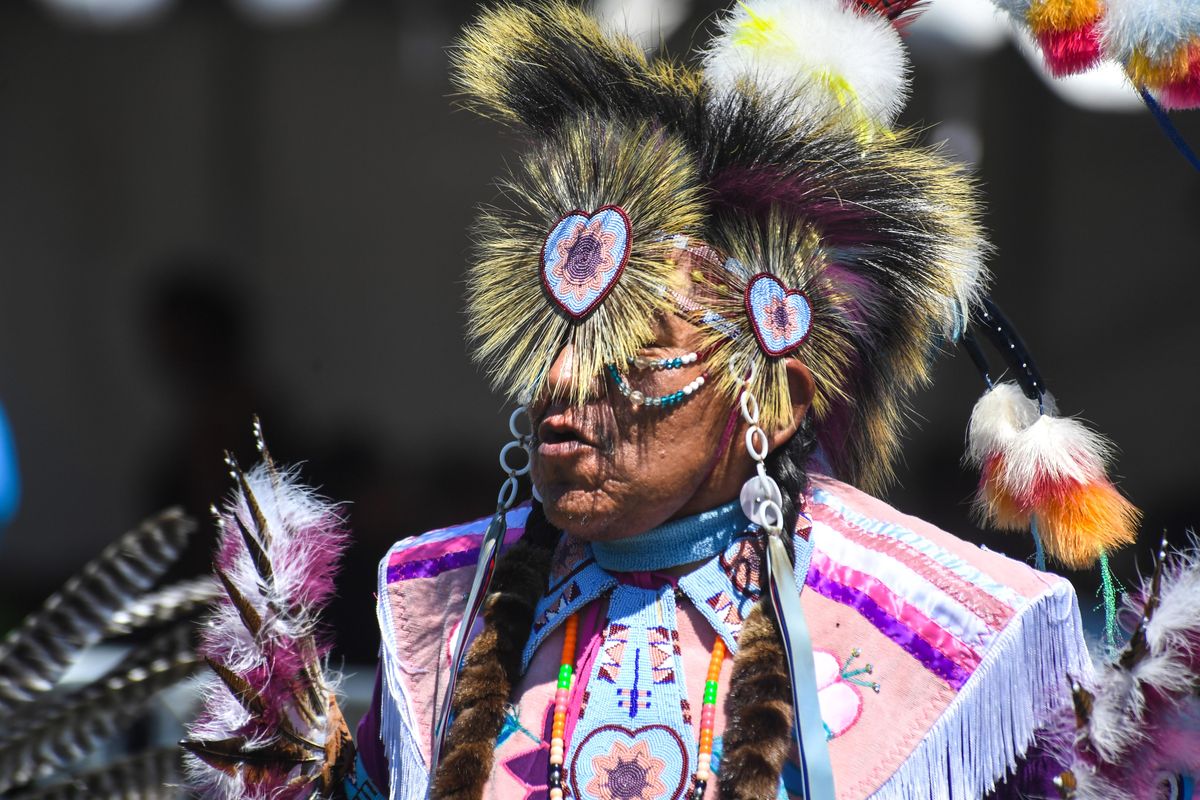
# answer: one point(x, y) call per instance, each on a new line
point(408, 774)
point(1023, 677)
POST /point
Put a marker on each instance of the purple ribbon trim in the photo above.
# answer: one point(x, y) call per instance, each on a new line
point(432, 567)
point(892, 628)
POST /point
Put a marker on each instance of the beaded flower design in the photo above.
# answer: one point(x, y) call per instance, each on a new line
point(627, 773)
point(583, 257)
point(781, 317)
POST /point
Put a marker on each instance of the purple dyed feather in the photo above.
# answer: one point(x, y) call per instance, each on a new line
point(289, 689)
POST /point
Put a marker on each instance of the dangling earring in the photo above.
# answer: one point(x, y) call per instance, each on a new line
point(762, 502)
point(485, 567)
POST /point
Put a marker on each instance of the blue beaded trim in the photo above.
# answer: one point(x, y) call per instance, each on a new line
point(700, 537)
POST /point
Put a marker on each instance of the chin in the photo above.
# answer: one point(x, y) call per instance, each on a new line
point(583, 513)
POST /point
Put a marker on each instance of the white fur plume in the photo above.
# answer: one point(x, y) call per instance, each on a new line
point(1156, 28)
point(829, 57)
point(999, 415)
point(1058, 449)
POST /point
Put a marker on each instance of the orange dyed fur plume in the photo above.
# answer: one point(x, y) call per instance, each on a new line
point(1050, 472)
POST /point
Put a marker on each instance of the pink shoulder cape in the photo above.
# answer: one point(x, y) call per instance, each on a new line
point(972, 651)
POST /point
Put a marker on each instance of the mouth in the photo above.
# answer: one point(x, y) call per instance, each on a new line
point(560, 436)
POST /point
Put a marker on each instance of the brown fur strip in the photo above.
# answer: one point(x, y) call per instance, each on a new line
point(758, 712)
point(492, 666)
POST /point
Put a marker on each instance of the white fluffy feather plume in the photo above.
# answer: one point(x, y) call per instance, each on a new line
point(1058, 449)
point(832, 58)
point(999, 415)
point(1049, 471)
point(1035, 446)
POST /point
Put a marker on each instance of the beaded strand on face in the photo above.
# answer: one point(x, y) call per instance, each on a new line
point(678, 362)
point(666, 401)
point(562, 694)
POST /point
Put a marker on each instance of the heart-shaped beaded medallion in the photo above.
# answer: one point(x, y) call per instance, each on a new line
point(781, 317)
point(584, 256)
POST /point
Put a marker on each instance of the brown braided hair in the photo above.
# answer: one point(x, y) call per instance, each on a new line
point(492, 666)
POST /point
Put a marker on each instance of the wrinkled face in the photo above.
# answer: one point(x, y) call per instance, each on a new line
point(607, 469)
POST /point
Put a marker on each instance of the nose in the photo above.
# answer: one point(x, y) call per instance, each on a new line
point(561, 375)
point(561, 379)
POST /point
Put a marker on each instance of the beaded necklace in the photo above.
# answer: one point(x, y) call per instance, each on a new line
point(562, 694)
point(566, 672)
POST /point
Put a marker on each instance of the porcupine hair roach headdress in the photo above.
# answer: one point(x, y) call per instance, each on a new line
point(813, 229)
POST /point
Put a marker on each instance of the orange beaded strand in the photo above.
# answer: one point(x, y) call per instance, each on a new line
point(708, 720)
point(562, 695)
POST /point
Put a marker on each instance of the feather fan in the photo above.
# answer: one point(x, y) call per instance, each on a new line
point(271, 727)
point(57, 733)
point(162, 606)
point(37, 652)
point(153, 775)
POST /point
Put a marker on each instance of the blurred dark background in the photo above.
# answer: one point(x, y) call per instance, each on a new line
point(215, 208)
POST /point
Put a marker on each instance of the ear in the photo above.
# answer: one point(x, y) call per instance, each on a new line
point(801, 389)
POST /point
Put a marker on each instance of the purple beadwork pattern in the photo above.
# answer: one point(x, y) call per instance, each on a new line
point(583, 257)
point(781, 316)
point(629, 764)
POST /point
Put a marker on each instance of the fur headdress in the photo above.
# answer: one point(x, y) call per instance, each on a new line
point(787, 165)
